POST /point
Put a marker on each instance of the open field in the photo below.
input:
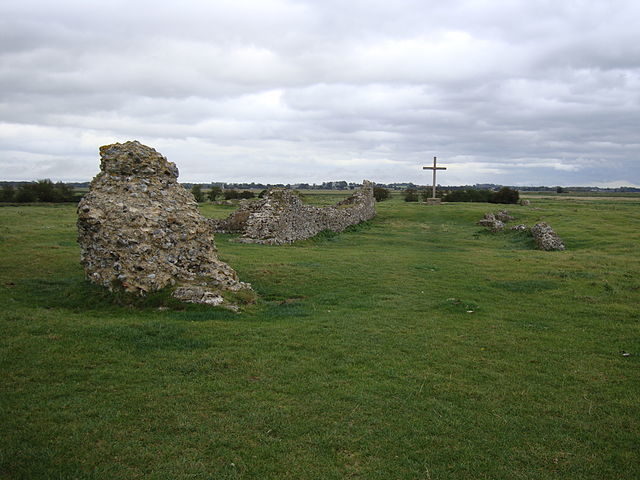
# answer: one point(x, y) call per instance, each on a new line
point(415, 346)
point(587, 196)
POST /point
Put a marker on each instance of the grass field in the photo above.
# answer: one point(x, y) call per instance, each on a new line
point(415, 346)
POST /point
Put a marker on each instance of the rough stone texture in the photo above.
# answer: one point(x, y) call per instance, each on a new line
point(543, 234)
point(491, 222)
point(503, 216)
point(281, 217)
point(140, 230)
point(495, 221)
point(546, 238)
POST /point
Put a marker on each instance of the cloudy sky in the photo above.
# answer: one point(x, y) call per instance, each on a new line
point(515, 92)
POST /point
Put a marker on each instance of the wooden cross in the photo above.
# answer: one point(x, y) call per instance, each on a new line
point(434, 168)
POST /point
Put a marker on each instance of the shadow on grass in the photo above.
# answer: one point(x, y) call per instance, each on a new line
point(330, 236)
point(526, 286)
point(79, 296)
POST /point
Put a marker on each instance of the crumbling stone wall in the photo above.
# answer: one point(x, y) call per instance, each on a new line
point(140, 230)
point(281, 217)
point(546, 238)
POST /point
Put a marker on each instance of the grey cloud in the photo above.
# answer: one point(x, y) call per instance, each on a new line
point(515, 92)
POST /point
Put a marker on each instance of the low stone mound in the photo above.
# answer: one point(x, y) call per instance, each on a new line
point(280, 217)
point(491, 222)
point(543, 234)
point(141, 231)
point(546, 238)
point(504, 216)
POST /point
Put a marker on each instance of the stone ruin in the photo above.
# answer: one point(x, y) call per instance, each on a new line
point(495, 221)
point(141, 231)
point(281, 217)
point(543, 234)
point(546, 238)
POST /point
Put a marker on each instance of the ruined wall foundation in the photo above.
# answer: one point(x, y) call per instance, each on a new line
point(281, 217)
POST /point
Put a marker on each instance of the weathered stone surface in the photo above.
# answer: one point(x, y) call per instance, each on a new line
point(281, 217)
point(140, 230)
point(546, 238)
point(503, 216)
point(491, 222)
point(543, 234)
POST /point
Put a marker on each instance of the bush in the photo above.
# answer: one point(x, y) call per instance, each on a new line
point(505, 195)
point(214, 193)
point(7, 194)
point(26, 194)
point(231, 194)
point(425, 193)
point(246, 194)
point(468, 195)
point(411, 195)
point(196, 190)
point(381, 194)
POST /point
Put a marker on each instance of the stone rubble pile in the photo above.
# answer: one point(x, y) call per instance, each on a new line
point(141, 231)
point(491, 222)
point(281, 217)
point(495, 221)
point(504, 216)
point(546, 238)
point(543, 234)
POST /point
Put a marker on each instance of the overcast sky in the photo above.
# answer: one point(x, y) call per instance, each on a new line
point(509, 92)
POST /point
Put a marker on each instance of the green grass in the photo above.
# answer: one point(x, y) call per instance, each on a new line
point(414, 346)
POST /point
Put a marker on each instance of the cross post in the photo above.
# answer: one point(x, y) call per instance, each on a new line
point(434, 168)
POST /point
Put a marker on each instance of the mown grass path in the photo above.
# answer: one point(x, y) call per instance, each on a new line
point(415, 346)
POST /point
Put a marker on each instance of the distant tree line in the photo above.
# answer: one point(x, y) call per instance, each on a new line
point(216, 193)
point(40, 191)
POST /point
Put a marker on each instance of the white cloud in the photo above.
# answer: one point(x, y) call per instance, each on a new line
point(503, 92)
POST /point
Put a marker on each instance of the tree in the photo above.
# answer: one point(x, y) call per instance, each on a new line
point(380, 194)
point(44, 190)
point(196, 190)
point(214, 193)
